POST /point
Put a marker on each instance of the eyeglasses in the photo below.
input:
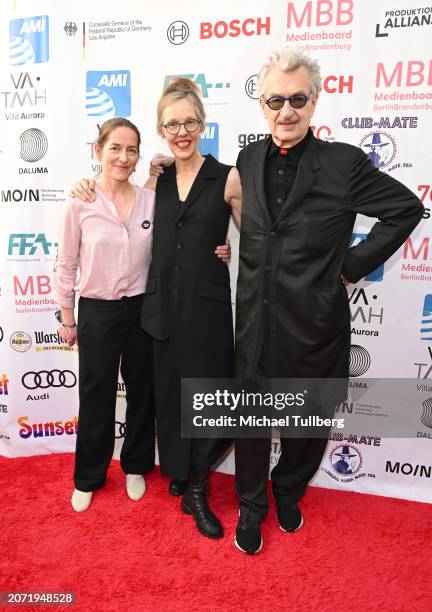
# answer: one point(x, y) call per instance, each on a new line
point(296, 101)
point(190, 125)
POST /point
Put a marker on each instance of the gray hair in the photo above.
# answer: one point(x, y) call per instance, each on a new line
point(288, 60)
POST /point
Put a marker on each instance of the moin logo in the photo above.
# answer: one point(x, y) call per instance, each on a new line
point(108, 93)
point(29, 40)
point(378, 274)
point(426, 320)
point(209, 141)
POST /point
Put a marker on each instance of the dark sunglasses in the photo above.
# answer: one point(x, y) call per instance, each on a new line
point(295, 101)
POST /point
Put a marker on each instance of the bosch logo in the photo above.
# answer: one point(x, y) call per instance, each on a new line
point(178, 32)
point(236, 27)
point(45, 379)
point(251, 87)
point(360, 360)
point(34, 145)
point(120, 430)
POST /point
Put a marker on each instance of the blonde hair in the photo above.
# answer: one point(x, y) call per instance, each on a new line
point(288, 60)
point(181, 88)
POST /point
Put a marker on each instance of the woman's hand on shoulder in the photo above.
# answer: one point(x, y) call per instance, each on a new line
point(84, 189)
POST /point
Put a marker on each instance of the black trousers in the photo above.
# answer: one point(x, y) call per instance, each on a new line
point(178, 457)
point(299, 460)
point(109, 336)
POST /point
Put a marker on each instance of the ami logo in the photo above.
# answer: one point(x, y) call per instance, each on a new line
point(378, 274)
point(29, 40)
point(426, 320)
point(209, 141)
point(108, 93)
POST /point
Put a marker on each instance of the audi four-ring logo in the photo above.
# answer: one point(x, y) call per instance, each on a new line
point(45, 379)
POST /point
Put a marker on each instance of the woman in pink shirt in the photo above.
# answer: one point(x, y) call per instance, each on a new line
point(104, 254)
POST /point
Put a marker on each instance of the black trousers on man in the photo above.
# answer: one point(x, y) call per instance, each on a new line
point(299, 460)
point(109, 336)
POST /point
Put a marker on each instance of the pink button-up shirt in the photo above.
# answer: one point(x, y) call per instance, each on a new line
point(101, 256)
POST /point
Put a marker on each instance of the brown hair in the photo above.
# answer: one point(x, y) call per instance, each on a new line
point(112, 124)
point(181, 88)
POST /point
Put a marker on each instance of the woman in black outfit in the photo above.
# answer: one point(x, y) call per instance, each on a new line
point(187, 304)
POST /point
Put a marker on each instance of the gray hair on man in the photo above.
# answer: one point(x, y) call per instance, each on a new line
point(288, 60)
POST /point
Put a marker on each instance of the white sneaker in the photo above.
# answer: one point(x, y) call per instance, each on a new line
point(135, 486)
point(81, 500)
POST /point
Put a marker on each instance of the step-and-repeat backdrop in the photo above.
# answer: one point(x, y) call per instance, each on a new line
point(67, 67)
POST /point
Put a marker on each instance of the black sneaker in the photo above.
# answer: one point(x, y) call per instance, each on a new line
point(290, 517)
point(248, 537)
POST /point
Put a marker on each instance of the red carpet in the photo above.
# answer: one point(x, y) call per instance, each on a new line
point(354, 553)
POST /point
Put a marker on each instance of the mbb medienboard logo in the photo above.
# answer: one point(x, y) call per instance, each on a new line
point(108, 93)
point(29, 40)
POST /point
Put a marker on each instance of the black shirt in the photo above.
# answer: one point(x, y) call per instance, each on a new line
point(280, 173)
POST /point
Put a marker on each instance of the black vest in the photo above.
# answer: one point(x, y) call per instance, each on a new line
point(188, 287)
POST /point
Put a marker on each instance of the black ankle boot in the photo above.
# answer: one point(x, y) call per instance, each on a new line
point(177, 487)
point(194, 502)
